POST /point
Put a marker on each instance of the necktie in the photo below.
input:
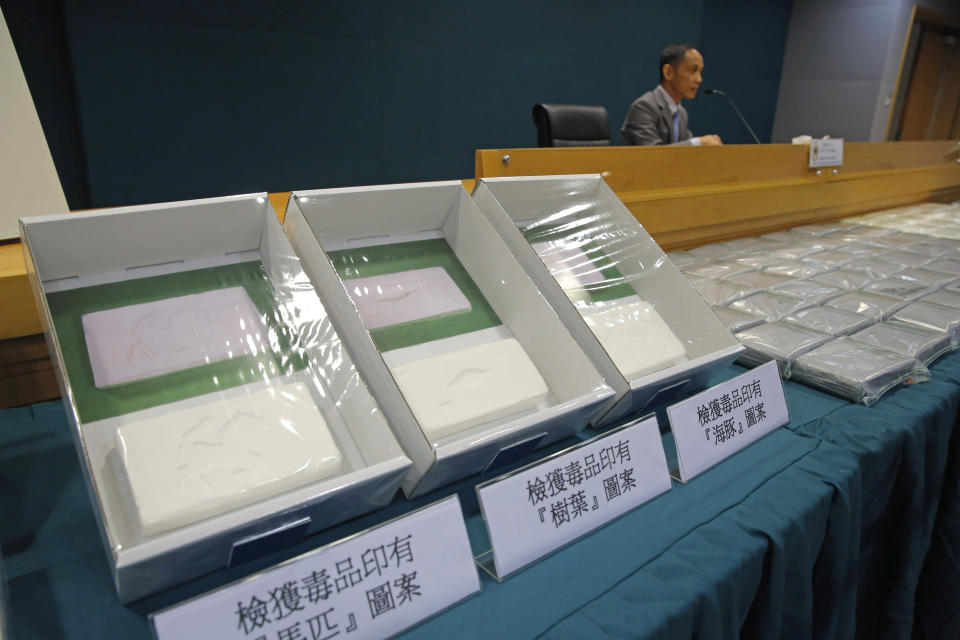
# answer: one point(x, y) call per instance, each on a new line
point(676, 126)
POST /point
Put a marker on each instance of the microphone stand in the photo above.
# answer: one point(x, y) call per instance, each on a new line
point(711, 92)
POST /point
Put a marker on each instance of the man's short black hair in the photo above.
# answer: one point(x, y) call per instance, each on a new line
point(673, 54)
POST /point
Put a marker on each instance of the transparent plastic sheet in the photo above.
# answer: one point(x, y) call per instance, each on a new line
point(906, 339)
point(929, 277)
point(737, 320)
point(844, 279)
point(836, 322)
point(930, 249)
point(717, 292)
point(433, 326)
point(630, 278)
point(770, 305)
point(898, 287)
point(947, 298)
point(945, 264)
point(778, 341)
point(871, 232)
point(752, 245)
point(784, 237)
point(758, 260)
point(874, 305)
point(759, 281)
point(904, 258)
point(719, 270)
point(857, 371)
point(212, 393)
point(715, 251)
point(932, 316)
point(831, 259)
point(809, 291)
point(796, 250)
point(696, 264)
point(874, 267)
point(682, 258)
point(855, 246)
point(814, 229)
point(796, 268)
point(593, 259)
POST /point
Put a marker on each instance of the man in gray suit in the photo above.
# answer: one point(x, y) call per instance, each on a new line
point(656, 117)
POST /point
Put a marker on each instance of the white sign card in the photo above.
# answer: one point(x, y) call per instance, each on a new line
point(539, 508)
point(826, 152)
point(370, 585)
point(724, 419)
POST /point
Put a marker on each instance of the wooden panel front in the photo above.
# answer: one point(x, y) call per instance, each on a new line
point(688, 196)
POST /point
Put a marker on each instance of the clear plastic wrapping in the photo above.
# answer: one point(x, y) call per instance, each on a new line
point(795, 250)
point(897, 287)
point(906, 339)
point(770, 305)
point(875, 305)
point(778, 341)
point(857, 371)
point(810, 291)
point(945, 264)
point(642, 316)
point(759, 281)
point(844, 279)
point(932, 316)
point(874, 267)
point(905, 258)
point(796, 268)
point(929, 277)
point(715, 251)
point(757, 260)
point(737, 320)
point(440, 312)
point(929, 249)
point(947, 298)
point(718, 270)
point(855, 246)
point(681, 258)
point(211, 393)
point(752, 245)
point(836, 322)
point(831, 259)
point(718, 292)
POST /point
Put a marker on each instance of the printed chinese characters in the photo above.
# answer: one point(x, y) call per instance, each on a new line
point(718, 418)
point(563, 490)
point(381, 571)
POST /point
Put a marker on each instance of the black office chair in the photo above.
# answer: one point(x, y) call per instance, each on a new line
point(571, 125)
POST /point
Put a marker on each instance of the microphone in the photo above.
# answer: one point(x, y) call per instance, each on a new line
point(711, 92)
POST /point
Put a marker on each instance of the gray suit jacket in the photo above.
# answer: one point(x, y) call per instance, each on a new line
point(649, 122)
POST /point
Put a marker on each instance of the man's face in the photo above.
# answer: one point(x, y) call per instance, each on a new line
point(685, 78)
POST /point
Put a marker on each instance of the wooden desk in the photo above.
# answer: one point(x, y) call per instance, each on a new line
point(689, 196)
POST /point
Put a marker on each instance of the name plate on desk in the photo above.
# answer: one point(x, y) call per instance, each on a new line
point(724, 419)
point(826, 152)
point(539, 508)
point(370, 585)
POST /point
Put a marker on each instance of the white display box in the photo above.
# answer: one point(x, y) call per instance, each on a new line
point(586, 204)
point(322, 221)
point(71, 251)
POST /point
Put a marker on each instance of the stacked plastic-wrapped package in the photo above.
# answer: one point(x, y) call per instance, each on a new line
point(853, 307)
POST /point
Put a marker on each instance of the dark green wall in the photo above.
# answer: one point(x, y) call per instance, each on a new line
point(183, 100)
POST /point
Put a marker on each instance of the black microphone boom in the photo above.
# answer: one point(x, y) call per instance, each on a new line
point(711, 92)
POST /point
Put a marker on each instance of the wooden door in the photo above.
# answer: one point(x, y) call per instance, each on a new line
point(932, 103)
